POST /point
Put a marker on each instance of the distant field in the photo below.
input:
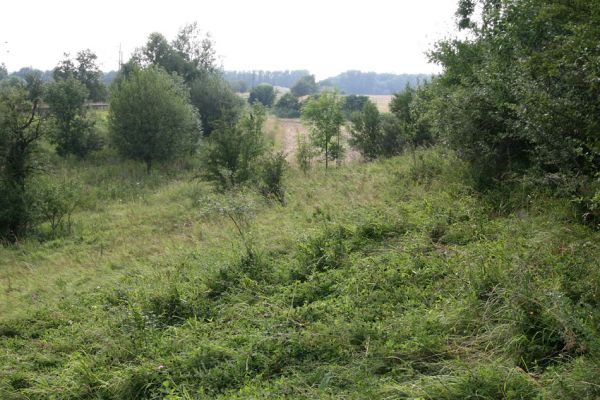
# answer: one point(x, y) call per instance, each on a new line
point(284, 133)
point(382, 102)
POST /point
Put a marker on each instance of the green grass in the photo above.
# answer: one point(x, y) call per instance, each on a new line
point(388, 280)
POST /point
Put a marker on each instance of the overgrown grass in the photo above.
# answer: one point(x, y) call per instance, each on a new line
point(386, 280)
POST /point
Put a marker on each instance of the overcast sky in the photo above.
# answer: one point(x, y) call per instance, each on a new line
point(324, 36)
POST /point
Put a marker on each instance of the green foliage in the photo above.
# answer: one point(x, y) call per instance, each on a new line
point(73, 131)
point(271, 175)
point(371, 284)
point(324, 117)
point(519, 95)
point(85, 70)
point(231, 153)
point(54, 203)
point(239, 86)
point(215, 100)
point(21, 128)
point(263, 93)
point(193, 58)
point(151, 118)
point(354, 103)
point(305, 153)
point(288, 106)
point(305, 86)
point(189, 55)
point(366, 132)
point(3, 72)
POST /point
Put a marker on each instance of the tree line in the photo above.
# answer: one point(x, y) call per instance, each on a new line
point(168, 101)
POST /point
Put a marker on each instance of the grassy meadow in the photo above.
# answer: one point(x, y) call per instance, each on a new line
point(390, 280)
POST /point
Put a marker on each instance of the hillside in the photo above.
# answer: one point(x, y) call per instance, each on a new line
point(386, 280)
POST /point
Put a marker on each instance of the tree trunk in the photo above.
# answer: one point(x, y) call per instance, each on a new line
point(326, 155)
point(148, 166)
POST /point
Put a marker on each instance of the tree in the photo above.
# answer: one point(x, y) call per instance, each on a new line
point(353, 103)
point(288, 106)
point(194, 59)
point(231, 152)
point(215, 100)
point(263, 93)
point(324, 117)
point(366, 132)
point(85, 70)
point(189, 55)
point(3, 72)
point(305, 86)
point(73, 130)
point(21, 128)
point(151, 118)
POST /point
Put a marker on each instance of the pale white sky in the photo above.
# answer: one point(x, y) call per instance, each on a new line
point(324, 36)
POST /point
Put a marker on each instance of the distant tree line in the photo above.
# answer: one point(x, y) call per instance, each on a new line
point(249, 79)
point(371, 83)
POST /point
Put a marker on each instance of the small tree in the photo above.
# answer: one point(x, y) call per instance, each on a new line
point(305, 86)
point(288, 106)
point(365, 133)
point(271, 173)
point(215, 100)
point(324, 117)
point(3, 72)
point(73, 130)
point(354, 103)
point(231, 152)
point(264, 94)
point(305, 153)
point(151, 118)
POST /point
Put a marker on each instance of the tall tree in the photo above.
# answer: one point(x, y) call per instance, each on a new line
point(85, 69)
point(3, 72)
point(21, 128)
point(366, 132)
point(151, 118)
point(324, 117)
point(306, 85)
point(73, 130)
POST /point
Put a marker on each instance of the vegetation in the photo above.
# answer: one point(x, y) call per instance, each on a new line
point(73, 131)
point(520, 97)
point(305, 86)
point(84, 69)
point(264, 94)
point(376, 280)
point(288, 106)
point(231, 154)
point(353, 103)
point(21, 128)
point(465, 268)
point(371, 83)
point(323, 115)
point(275, 78)
point(151, 118)
point(366, 131)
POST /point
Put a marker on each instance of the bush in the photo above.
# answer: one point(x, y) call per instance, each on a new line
point(231, 153)
point(272, 171)
point(305, 153)
point(54, 202)
point(151, 118)
point(73, 132)
point(264, 94)
point(288, 106)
